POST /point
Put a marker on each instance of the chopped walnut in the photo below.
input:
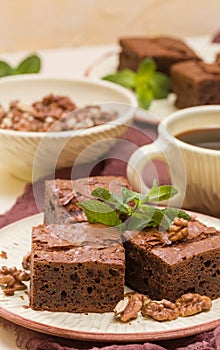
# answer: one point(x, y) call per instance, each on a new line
point(26, 261)
point(3, 255)
point(129, 307)
point(52, 113)
point(190, 304)
point(162, 310)
point(178, 230)
point(13, 279)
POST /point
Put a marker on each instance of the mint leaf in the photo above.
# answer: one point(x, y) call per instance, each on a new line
point(160, 193)
point(99, 212)
point(101, 193)
point(125, 77)
point(150, 84)
point(144, 216)
point(172, 213)
point(5, 69)
point(144, 95)
point(147, 83)
point(160, 85)
point(30, 64)
point(112, 199)
point(146, 68)
point(132, 210)
point(155, 216)
point(128, 195)
point(184, 215)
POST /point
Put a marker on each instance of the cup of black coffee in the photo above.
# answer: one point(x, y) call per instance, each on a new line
point(189, 143)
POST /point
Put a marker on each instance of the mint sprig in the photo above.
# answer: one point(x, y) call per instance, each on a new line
point(132, 210)
point(147, 82)
point(30, 65)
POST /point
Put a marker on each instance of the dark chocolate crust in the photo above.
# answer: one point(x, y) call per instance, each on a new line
point(76, 268)
point(196, 83)
point(61, 196)
point(164, 50)
point(169, 271)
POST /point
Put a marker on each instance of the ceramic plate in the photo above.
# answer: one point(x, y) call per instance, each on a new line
point(15, 241)
point(159, 109)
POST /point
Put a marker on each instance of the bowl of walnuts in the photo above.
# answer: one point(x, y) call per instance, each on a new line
point(48, 123)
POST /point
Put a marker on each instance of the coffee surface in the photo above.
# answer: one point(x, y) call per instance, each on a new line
point(205, 138)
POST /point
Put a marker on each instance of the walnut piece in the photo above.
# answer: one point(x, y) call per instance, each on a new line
point(129, 307)
point(178, 230)
point(162, 310)
point(190, 304)
point(12, 279)
point(26, 261)
point(3, 255)
point(53, 113)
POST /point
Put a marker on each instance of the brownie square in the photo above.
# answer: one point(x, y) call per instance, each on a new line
point(217, 58)
point(196, 83)
point(168, 271)
point(76, 268)
point(61, 196)
point(164, 50)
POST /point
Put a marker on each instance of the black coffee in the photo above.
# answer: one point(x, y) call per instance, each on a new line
point(205, 138)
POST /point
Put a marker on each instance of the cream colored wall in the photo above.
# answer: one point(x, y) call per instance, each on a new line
point(34, 24)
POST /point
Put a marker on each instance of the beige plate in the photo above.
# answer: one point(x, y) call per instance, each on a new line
point(15, 241)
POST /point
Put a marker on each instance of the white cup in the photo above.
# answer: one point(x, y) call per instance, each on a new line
point(194, 170)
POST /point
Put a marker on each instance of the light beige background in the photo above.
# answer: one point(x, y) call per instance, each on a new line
point(35, 24)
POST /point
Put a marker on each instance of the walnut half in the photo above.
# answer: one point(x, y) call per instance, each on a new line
point(129, 307)
point(178, 230)
point(190, 304)
point(163, 310)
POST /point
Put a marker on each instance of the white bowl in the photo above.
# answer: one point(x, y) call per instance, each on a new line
point(30, 155)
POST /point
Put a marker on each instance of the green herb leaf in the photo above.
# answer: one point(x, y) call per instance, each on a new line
point(125, 77)
point(160, 193)
point(144, 216)
point(146, 68)
point(147, 83)
point(171, 213)
point(99, 212)
point(131, 210)
point(101, 193)
point(160, 85)
point(5, 69)
point(30, 64)
point(112, 199)
point(128, 195)
point(144, 95)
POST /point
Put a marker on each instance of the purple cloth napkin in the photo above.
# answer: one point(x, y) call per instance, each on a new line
point(26, 205)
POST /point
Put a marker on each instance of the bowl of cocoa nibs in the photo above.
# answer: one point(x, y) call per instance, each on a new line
point(48, 123)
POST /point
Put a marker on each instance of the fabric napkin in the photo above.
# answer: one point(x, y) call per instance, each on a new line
point(137, 135)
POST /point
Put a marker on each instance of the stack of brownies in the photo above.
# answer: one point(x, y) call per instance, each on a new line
point(81, 267)
point(194, 81)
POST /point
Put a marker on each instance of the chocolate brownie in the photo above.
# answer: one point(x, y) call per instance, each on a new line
point(76, 268)
point(196, 83)
point(163, 269)
point(61, 196)
point(164, 50)
point(217, 58)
